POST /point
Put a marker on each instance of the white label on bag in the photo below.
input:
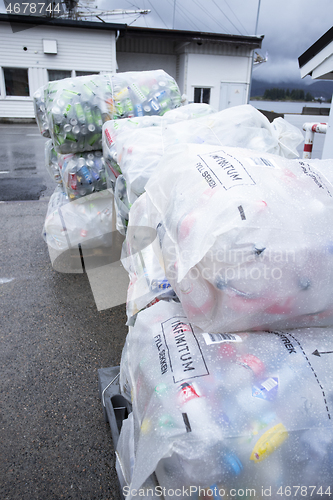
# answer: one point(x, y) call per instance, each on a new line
point(184, 354)
point(220, 168)
point(217, 338)
point(261, 162)
point(269, 384)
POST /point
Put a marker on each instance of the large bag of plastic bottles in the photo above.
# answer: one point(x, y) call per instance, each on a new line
point(232, 413)
point(134, 147)
point(77, 107)
point(246, 237)
point(142, 259)
point(240, 126)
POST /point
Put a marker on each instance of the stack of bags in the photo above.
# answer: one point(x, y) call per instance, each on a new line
point(230, 310)
point(71, 112)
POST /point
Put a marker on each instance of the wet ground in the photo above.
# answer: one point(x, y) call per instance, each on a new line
point(22, 172)
point(54, 441)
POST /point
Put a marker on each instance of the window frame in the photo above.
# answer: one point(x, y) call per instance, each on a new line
point(56, 69)
point(87, 72)
point(202, 88)
point(3, 93)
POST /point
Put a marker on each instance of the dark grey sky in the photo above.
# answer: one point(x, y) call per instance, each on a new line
point(290, 26)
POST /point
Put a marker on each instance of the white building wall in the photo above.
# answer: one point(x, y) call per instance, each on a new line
point(182, 73)
point(77, 49)
point(211, 70)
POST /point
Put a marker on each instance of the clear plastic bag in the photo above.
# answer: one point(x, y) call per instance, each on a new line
point(228, 410)
point(86, 221)
point(142, 259)
point(240, 126)
point(245, 237)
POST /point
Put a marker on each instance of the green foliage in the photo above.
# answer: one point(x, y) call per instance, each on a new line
point(277, 94)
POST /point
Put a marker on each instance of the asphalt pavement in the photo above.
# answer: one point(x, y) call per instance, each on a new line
point(55, 443)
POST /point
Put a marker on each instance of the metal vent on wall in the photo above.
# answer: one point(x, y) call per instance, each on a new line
point(50, 47)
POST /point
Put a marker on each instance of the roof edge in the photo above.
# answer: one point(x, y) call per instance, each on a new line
point(136, 31)
point(57, 21)
point(319, 45)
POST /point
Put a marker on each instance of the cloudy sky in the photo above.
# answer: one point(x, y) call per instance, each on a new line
point(290, 26)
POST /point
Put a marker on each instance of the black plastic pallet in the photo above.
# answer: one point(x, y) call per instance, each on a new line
point(115, 410)
point(115, 407)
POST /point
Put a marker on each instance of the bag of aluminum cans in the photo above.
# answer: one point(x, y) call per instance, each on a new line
point(142, 259)
point(78, 107)
point(241, 247)
point(83, 173)
point(139, 93)
point(76, 110)
point(40, 112)
point(224, 412)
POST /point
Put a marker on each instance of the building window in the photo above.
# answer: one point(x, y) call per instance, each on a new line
point(58, 74)
point(202, 95)
point(85, 73)
point(16, 81)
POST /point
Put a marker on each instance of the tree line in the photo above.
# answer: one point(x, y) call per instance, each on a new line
point(276, 94)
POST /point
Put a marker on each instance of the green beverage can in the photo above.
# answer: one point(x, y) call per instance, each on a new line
point(79, 112)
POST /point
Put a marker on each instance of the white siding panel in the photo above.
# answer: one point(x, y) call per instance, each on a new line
point(37, 78)
point(182, 73)
point(79, 49)
point(16, 109)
